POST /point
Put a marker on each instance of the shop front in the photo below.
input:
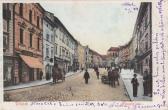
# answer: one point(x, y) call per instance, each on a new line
point(8, 71)
point(29, 68)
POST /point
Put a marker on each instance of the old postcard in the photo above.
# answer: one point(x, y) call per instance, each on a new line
point(61, 55)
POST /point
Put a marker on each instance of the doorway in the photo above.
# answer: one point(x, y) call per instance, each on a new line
point(31, 74)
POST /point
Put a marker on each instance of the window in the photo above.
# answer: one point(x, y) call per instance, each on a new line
point(146, 61)
point(41, 21)
point(47, 51)
point(52, 52)
point(60, 51)
point(56, 49)
point(30, 16)
point(31, 39)
point(146, 21)
point(38, 20)
point(6, 12)
point(5, 41)
point(52, 38)
point(47, 37)
point(146, 45)
point(38, 43)
point(63, 52)
point(21, 36)
point(21, 9)
point(34, 14)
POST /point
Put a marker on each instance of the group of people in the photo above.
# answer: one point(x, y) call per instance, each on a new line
point(147, 84)
point(113, 76)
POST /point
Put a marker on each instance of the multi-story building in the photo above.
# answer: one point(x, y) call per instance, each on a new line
point(28, 29)
point(8, 44)
point(112, 54)
point(88, 57)
point(75, 65)
point(97, 59)
point(48, 44)
point(143, 31)
point(124, 55)
point(81, 56)
point(65, 46)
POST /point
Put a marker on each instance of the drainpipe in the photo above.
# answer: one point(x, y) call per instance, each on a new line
point(14, 43)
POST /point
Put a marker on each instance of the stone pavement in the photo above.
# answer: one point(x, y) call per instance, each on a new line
point(126, 76)
point(73, 89)
point(35, 83)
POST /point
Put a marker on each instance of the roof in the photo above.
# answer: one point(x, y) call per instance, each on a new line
point(60, 23)
point(113, 49)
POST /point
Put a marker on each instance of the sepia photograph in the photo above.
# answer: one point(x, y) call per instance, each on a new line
point(77, 51)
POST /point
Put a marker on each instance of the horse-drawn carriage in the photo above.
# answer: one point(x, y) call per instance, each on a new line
point(105, 79)
point(111, 78)
point(61, 75)
point(58, 74)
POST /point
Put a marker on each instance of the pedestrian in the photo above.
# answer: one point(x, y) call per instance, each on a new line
point(135, 85)
point(113, 77)
point(86, 76)
point(41, 75)
point(109, 77)
point(116, 75)
point(145, 78)
point(97, 73)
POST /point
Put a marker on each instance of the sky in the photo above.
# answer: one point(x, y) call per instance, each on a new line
point(100, 25)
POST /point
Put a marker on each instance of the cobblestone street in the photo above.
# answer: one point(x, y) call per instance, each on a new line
point(73, 88)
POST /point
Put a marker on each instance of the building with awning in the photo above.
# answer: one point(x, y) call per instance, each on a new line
point(28, 48)
point(32, 62)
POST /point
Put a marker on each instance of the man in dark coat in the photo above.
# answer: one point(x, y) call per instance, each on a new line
point(97, 73)
point(86, 77)
point(113, 77)
point(116, 75)
point(135, 85)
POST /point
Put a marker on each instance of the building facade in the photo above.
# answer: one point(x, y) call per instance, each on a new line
point(112, 54)
point(81, 56)
point(143, 31)
point(88, 57)
point(65, 46)
point(97, 59)
point(8, 44)
point(28, 29)
point(124, 55)
point(48, 44)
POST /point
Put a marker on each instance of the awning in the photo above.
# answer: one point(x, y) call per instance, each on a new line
point(31, 61)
